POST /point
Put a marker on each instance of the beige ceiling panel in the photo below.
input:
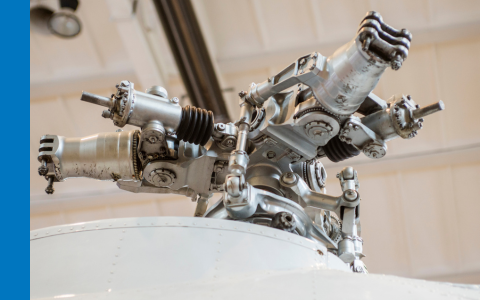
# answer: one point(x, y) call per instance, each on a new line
point(427, 197)
point(176, 205)
point(39, 68)
point(383, 221)
point(465, 179)
point(235, 29)
point(410, 14)
point(459, 78)
point(449, 11)
point(68, 58)
point(341, 18)
point(107, 41)
point(49, 117)
point(135, 209)
point(288, 23)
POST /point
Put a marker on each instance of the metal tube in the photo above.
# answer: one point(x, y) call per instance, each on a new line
point(428, 110)
point(103, 156)
point(96, 99)
point(242, 136)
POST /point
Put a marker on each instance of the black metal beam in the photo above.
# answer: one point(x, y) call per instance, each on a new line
point(191, 55)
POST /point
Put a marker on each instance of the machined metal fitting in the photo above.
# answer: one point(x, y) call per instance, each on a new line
point(284, 221)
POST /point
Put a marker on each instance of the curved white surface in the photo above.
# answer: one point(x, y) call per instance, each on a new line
point(196, 258)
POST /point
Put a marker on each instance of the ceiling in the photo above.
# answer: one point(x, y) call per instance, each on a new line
point(418, 213)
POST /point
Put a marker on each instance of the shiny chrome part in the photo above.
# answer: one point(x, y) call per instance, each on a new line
point(267, 163)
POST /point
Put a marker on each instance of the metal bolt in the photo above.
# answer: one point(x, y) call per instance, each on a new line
point(242, 93)
point(229, 143)
point(289, 178)
point(49, 190)
point(106, 114)
point(174, 100)
point(284, 221)
point(157, 91)
point(221, 127)
point(43, 169)
point(271, 154)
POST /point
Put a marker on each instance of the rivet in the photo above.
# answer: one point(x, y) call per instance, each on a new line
point(110, 225)
point(83, 227)
point(125, 224)
point(71, 228)
point(35, 234)
point(194, 223)
point(152, 223)
point(206, 224)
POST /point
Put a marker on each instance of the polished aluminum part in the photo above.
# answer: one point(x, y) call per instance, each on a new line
point(103, 156)
point(267, 163)
point(192, 258)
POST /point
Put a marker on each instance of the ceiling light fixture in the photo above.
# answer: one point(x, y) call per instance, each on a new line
point(62, 22)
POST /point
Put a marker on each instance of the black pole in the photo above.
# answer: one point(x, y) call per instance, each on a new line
point(191, 55)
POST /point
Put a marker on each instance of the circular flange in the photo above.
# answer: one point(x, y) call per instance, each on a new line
point(162, 177)
point(318, 130)
point(375, 150)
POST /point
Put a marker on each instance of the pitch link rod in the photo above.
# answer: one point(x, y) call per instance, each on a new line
point(314, 199)
point(428, 110)
point(96, 99)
